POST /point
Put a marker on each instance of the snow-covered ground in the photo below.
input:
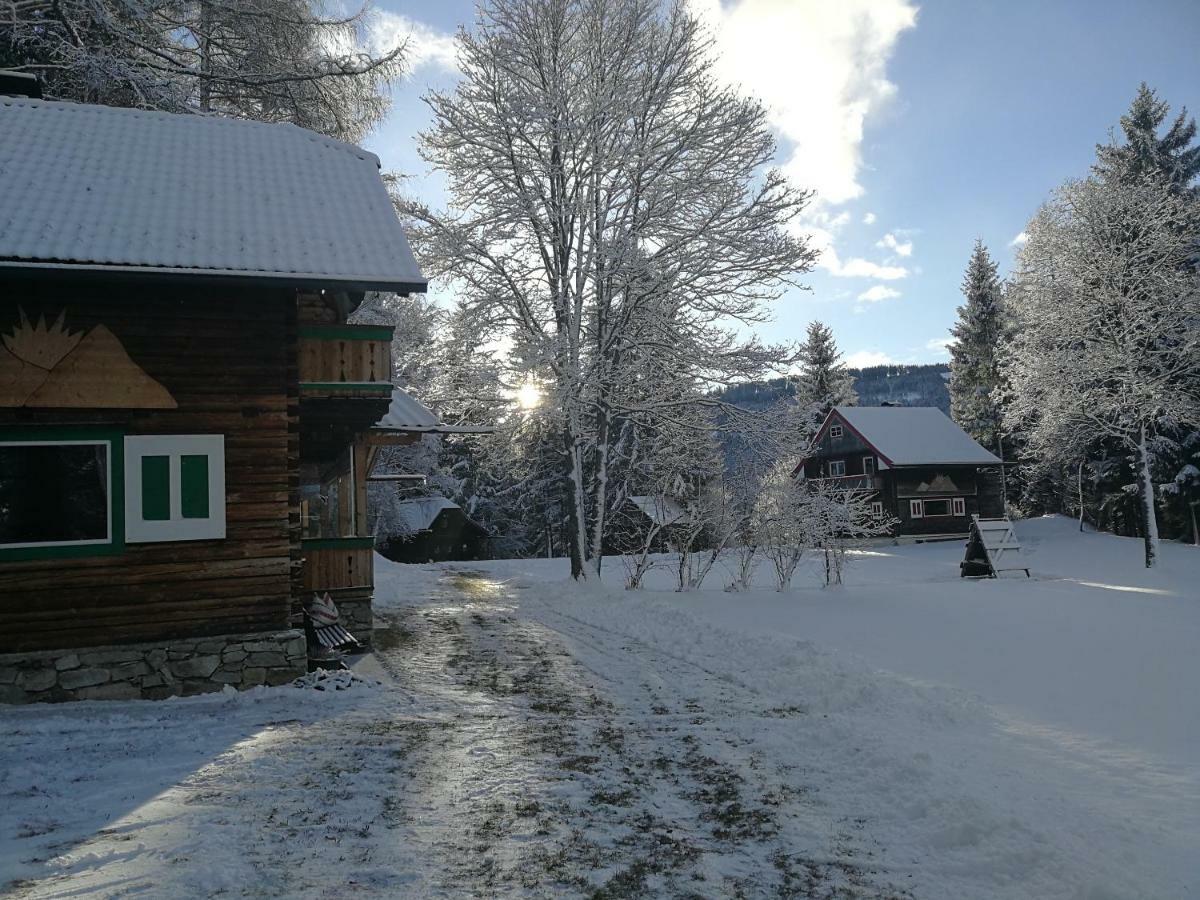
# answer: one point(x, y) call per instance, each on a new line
point(907, 735)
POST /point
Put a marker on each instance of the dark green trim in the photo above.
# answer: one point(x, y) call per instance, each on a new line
point(193, 486)
point(156, 488)
point(116, 461)
point(342, 543)
point(374, 387)
point(347, 332)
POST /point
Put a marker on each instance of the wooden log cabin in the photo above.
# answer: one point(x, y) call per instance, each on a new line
point(917, 465)
point(183, 403)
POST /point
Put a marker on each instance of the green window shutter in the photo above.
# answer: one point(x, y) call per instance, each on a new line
point(193, 489)
point(156, 488)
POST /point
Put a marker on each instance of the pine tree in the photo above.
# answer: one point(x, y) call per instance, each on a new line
point(974, 363)
point(823, 382)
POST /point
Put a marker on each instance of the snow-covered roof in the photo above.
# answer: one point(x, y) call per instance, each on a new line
point(99, 188)
point(914, 435)
point(419, 513)
point(408, 414)
point(660, 510)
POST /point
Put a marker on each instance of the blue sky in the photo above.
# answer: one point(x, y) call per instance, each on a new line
point(921, 125)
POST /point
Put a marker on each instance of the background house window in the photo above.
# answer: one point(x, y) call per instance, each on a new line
point(837, 468)
point(960, 506)
point(175, 487)
point(835, 431)
point(56, 496)
point(868, 465)
point(935, 508)
point(876, 508)
point(916, 509)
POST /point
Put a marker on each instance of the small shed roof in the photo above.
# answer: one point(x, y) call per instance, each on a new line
point(660, 510)
point(913, 435)
point(408, 414)
point(419, 513)
point(95, 188)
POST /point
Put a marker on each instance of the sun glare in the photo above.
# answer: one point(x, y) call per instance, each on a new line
point(529, 396)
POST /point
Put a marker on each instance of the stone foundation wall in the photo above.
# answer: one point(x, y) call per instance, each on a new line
point(355, 616)
point(153, 671)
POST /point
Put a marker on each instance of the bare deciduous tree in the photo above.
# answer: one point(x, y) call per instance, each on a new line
point(269, 60)
point(1107, 335)
point(613, 210)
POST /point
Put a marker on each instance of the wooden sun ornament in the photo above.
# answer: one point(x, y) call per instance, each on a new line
point(41, 346)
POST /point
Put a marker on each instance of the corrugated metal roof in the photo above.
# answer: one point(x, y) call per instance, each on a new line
point(407, 413)
point(90, 188)
point(915, 435)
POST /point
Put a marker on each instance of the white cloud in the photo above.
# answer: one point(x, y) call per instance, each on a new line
point(864, 358)
point(891, 242)
point(857, 267)
point(1019, 240)
point(940, 346)
point(425, 46)
point(869, 219)
point(877, 293)
point(820, 68)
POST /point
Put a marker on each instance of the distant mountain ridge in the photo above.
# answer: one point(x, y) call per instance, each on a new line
point(901, 385)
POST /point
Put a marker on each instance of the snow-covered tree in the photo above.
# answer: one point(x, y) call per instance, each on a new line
point(1145, 153)
point(974, 354)
point(270, 60)
point(839, 520)
point(782, 522)
point(1106, 332)
point(822, 381)
point(613, 211)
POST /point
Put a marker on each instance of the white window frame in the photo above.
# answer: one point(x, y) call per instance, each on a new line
point(958, 506)
point(105, 541)
point(916, 509)
point(835, 431)
point(868, 465)
point(928, 515)
point(176, 528)
point(839, 464)
point(876, 508)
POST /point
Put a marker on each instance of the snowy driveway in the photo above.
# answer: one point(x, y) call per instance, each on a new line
point(627, 773)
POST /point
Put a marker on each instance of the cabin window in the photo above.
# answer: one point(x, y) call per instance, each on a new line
point(935, 508)
point(876, 508)
point(328, 498)
point(837, 468)
point(835, 431)
point(175, 487)
point(916, 509)
point(868, 465)
point(960, 506)
point(57, 490)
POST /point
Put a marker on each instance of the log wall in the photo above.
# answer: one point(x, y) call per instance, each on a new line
point(228, 357)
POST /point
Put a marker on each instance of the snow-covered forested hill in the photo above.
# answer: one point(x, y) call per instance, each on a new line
point(903, 385)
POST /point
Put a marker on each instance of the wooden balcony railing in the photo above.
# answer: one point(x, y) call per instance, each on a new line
point(853, 482)
point(346, 361)
point(339, 565)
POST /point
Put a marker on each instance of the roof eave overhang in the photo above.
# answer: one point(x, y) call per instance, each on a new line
point(434, 429)
point(945, 462)
point(224, 277)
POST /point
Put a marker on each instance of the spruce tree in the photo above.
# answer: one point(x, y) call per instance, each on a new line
point(822, 381)
point(974, 365)
point(1144, 153)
